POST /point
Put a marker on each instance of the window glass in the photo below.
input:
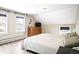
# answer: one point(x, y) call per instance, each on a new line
point(20, 24)
point(3, 23)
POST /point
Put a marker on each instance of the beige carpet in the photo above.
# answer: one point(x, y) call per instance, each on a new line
point(12, 48)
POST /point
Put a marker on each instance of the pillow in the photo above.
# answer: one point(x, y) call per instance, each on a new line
point(70, 35)
point(72, 41)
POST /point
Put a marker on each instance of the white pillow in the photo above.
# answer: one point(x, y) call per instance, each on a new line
point(70, 35)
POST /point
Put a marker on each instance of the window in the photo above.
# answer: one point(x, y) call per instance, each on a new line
point(64, 29)
point(3, 23)
point(20, 24)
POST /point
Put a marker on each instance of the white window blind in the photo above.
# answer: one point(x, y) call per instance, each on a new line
point(3, 23)
point(20, 24)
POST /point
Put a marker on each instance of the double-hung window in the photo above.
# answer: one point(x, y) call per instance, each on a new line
point(3, 23)
point(20, 24)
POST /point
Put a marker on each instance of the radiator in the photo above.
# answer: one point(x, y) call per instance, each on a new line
point(2, 41)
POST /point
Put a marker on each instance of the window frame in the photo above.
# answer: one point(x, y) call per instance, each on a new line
point(17, 26)
point(61, 32)
point(6, 23)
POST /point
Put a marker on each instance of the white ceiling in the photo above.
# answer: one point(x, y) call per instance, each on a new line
point(22, 6)
point(66, 16)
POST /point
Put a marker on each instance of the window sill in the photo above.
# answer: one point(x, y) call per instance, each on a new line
point(3, 34)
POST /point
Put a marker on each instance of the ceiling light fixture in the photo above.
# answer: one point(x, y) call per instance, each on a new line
point(45, 8)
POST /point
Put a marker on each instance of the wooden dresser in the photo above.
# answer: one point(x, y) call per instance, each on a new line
point(34, 31)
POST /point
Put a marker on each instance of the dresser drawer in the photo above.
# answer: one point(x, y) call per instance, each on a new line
point(34, 31)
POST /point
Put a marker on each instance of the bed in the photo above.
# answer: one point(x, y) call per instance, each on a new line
point(45, 43)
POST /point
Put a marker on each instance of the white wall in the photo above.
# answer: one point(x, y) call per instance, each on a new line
point(54, 28)
point(11, 26)
point(52, 20)
point(77, 23)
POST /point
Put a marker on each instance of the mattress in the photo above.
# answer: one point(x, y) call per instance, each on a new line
point(44, 43)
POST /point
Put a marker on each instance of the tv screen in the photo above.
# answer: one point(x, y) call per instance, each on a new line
point(64, 28)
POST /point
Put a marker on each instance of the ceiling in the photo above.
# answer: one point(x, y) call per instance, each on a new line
point(22, 6)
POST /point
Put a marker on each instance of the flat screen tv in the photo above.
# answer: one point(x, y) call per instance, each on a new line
point(64, 28)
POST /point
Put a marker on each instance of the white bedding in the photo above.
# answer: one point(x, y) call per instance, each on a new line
point(44, 43)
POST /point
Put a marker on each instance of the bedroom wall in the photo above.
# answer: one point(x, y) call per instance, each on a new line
point(11, 27)
point(52, 20)
point(54, 28)
point(77, 23)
